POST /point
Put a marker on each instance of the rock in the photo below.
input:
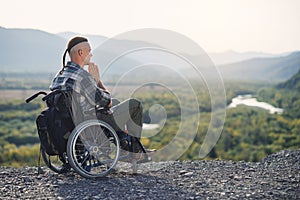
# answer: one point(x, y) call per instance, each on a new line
point(275, 177)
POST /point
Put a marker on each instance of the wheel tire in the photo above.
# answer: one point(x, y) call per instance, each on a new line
point(93, 149)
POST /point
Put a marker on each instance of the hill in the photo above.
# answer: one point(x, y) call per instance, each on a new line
point(95, 40)
point(293, 83)
point(30, 50)
point(231, 56)
point(262, 69)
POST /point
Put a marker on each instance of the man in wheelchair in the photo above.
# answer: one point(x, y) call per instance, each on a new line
point(91, 93)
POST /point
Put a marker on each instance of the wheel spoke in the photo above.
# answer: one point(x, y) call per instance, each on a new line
point(93, 149)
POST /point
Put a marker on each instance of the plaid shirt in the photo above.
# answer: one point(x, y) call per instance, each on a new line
point(75, 78)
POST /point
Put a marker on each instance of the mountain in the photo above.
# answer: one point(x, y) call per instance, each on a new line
point(139, 59)
point(30, 50)
point(95, 40)
point(231, 56)
point(263, 69)
point(293, 83)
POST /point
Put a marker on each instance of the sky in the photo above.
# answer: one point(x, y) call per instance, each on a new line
point(270, 26)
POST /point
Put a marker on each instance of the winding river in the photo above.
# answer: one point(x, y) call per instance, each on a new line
point(248, 100)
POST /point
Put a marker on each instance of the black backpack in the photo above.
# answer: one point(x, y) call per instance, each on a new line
point(55, 124)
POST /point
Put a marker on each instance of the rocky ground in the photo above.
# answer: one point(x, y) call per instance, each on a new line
point(275, 177)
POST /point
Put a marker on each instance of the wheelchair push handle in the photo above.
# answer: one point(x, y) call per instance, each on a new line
point(35, 96)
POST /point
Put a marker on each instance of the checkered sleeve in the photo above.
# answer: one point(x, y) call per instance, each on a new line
point(94, 94)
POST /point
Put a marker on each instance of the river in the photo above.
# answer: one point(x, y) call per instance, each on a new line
point(248, 100)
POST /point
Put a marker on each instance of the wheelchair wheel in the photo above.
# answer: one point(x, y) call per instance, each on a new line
point(93, 149)
point(55, 163)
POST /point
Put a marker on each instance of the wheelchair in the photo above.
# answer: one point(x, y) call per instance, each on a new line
point(93, 147)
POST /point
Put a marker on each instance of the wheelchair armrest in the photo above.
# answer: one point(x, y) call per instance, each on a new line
point(102, 110)
point(90, 111)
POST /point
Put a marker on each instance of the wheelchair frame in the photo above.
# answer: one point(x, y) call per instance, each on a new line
point(93, 147)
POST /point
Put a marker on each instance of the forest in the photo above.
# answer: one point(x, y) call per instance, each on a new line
point(248, 134)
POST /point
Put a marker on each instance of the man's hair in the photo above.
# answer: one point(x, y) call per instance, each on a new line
point(73, 42)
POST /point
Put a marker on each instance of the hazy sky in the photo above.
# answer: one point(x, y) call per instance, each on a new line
point(271, 26)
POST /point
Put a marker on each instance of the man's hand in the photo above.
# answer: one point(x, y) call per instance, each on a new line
point(94, 71)
point(110, 104)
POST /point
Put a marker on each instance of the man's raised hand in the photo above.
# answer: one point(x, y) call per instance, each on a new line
point(94, 71)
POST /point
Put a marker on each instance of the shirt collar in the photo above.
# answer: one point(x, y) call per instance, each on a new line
point(72, 64)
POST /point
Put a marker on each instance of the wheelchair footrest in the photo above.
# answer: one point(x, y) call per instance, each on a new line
point(144, 157)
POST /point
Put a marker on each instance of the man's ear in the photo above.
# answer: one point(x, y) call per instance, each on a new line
point(80, 52)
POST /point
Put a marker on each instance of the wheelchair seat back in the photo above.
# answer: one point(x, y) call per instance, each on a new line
point(66, 104)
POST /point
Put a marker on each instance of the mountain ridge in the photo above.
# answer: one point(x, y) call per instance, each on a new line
point(293, 83)
point(272, 69)
point(230, 56)
point(29, 50)
point(32, 50)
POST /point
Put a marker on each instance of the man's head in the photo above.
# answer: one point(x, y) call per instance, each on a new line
point(79, 50)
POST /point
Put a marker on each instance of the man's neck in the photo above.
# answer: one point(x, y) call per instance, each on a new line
point(78, 62)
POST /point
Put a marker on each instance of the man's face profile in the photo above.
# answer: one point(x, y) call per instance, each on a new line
point(86, 53)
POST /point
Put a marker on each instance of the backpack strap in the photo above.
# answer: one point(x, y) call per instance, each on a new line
point(40, 170)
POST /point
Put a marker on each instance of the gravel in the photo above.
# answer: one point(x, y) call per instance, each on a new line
point(275, 177)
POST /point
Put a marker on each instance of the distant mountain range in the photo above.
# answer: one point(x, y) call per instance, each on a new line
point(28, 50)
point(230, 56)
point(263, 69)
point(95, 40)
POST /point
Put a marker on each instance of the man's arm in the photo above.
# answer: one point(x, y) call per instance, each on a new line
point(93, 93)
point(94, 71)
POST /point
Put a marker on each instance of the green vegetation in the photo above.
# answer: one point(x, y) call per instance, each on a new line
point(18, 137)
point(24, 81)
point(248, 134)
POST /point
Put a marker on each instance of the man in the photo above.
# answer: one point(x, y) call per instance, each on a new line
point(91, 92)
